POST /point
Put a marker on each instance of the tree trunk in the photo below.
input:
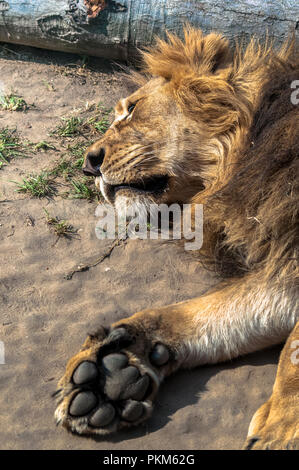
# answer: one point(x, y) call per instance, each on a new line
point(115, 29)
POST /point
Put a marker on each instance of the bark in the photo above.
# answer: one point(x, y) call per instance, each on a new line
point(115, 29)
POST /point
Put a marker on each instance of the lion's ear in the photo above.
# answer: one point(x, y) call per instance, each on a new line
point(195, 54)
point(214, 53)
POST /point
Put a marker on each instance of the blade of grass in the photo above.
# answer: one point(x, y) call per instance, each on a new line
point(37, 185)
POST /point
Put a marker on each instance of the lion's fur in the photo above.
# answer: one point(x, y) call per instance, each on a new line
point(223, 127)
point(243, 104)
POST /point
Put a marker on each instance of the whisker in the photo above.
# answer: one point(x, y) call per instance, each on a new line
point(144, 156)
point(126, 163)
point(133, 159)
point(143, 161)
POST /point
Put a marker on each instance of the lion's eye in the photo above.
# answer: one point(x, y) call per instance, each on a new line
point(131, 107)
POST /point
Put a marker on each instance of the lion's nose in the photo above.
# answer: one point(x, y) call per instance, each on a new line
point(93, 162)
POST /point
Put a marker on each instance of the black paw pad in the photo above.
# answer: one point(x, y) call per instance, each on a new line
point(116, 384)
point(137, 390)
point(119, 334)
point(114, 362)
point(103, 416)
point(159, 355)
point(86, 372)
point(132, 411)
point(123, 381)
point(83, 403)
point(117, 340)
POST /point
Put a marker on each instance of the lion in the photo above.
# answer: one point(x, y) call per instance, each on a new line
point(219, 128)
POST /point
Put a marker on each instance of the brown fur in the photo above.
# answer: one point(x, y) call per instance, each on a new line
point(279, 415)
point(224, 131)
point(239, 134)
point(251, 194)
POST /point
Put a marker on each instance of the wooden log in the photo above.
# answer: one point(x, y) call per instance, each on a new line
point(115, 29)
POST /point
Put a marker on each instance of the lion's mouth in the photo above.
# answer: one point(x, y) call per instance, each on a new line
point(150, 185)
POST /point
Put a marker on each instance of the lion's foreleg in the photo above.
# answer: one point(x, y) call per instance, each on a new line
point(242, 316)
point(123, 366)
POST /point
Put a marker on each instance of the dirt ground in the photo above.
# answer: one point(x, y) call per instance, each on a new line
point(44, 317)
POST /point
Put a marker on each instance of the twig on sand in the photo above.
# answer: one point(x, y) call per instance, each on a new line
point(85, 267)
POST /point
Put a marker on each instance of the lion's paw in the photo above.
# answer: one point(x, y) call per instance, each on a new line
point(274, 426)
point(268, 442)
point(107, 386)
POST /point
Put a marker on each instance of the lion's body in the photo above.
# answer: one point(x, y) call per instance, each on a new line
point(220, 130)
point(256, 211)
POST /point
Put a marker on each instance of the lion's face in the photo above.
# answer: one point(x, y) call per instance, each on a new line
point(141, 157)
point(169, 137)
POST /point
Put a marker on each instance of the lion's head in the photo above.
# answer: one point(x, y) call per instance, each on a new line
point(171, 139)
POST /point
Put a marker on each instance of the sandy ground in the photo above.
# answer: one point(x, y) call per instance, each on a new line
point(44, 317)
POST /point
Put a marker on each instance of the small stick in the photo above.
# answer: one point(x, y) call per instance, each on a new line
point(85, 267)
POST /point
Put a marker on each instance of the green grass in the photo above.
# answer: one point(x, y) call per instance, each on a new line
point(71, 163)
point(79, 163)
point(97, 123)
point(13, 102)
point(90, 122)
point(78, 149)
point(100, 124)
point(43, 145)
point(80, 190)
point(37, 185)
point(100, 121)
point(67, 168)
point(70, 127)
point(62, 168)
point(10, 146)
point(60, 226)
